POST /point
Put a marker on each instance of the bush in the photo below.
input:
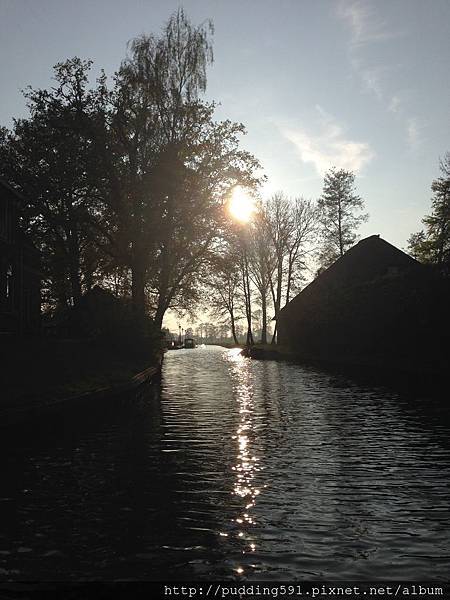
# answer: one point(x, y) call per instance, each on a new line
point(102, 316)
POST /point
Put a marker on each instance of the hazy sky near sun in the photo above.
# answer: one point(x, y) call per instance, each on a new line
point(360, 84)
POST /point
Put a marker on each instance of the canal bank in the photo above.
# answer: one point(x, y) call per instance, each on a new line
point(399, 374)
point(42, 377)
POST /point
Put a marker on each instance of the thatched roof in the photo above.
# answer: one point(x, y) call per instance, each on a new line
point(369, 260)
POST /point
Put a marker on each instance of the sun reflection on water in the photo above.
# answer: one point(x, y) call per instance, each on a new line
point(247, 462)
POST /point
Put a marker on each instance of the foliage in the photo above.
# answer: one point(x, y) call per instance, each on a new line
point(101, 315)
point(48, 157)
point(432, 245)
point(126, 184)
point(341, 214)
point(261, 263)
point(291, 227)
point(224, 295)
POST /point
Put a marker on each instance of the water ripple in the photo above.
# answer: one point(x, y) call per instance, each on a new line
point(234, 468)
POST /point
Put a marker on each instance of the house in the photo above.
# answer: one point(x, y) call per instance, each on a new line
point(375, 306)
point(20, 276)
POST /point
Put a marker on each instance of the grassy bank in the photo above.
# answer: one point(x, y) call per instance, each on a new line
point(227, 345)
point(35, 370)
point(267, 351)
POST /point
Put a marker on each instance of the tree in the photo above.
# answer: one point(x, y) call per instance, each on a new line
point(420, 247)
point(261, 265)
point(433, 245)
point(341, 214)
point(49, 158)
point(193, 222)
point(152, 114)
point(224, 279)
point(278, 227)
point(127, 185)
point(246, 287)
point(173, 165)
point(290, 226)
point(305, 215)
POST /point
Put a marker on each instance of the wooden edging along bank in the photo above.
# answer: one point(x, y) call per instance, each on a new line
point(46, 405)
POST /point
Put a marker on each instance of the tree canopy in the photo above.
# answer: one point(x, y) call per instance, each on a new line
point(126, 181)
point(432, 244)
point(341, 214)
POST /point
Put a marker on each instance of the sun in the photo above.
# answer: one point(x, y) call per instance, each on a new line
point(241, 206)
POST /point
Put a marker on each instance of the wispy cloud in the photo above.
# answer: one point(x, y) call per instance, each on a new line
point(372, 80)
point(414, 133)
point(368, 29)
point(395, 104)
point(330, 147)
point(365, 24)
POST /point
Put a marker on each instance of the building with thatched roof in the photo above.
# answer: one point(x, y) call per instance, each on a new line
point(375, 306)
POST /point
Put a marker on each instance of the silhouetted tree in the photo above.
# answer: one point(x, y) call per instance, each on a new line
point(261, 265)
point(127, 185)
point(433, 245)
point(243, 245)
point(175, 164)
point(290, 227)
point(51, 160)
point(341, 215)
point(278, 225)
point(305, 215)
point(224, 294)
point(152, 117)
point(193, 222)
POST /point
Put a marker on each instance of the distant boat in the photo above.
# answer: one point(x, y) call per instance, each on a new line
point(174, 345)
point(189, 342)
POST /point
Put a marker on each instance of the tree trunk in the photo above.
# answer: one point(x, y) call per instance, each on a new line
point(160, 311)
point(441, 243)
point(158, 320)
point(274, 336)
point(341, 241)
point(74, 269)
point(264, 319)
point(249, 340)
point(248, 304)
point(137, 286)
point(164, 300)
point(277, 303)
point(233, 327)
point(289, 279)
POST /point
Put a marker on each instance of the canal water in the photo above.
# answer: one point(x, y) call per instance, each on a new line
point(231, 468)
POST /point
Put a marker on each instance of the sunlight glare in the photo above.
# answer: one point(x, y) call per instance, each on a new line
point(241, 205)
point(235, 354)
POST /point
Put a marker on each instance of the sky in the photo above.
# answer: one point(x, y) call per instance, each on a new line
point(357, 84)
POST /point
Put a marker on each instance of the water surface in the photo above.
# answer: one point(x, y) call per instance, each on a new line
point(232, 469)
